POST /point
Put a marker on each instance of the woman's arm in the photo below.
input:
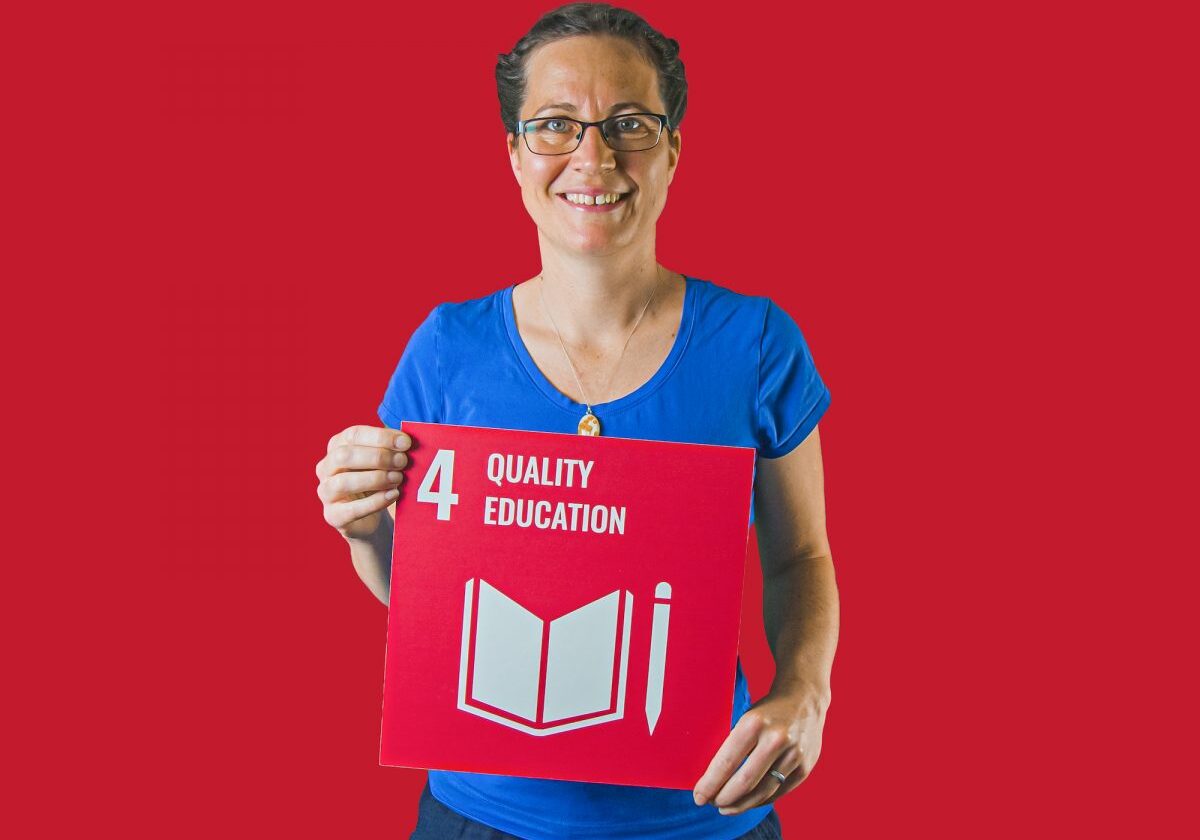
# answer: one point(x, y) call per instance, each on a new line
point(800, 597)
point(782, 731)
point(371, 556)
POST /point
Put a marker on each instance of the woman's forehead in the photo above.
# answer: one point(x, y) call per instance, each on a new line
point(589, 72)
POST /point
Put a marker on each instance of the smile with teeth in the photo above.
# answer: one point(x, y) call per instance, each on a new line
point(606, 198)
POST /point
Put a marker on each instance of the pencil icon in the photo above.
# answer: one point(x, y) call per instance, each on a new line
point(658, 653)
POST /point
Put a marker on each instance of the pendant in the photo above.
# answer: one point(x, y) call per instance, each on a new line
point(589, 424)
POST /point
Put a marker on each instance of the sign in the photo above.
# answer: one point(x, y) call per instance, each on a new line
point(564, 607)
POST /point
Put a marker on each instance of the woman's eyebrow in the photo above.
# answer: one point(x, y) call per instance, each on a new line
point(567, 106)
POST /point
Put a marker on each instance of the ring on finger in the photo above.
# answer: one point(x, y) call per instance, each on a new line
point(782, 778)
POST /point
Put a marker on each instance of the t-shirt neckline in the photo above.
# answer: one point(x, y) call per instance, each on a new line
point(682, 336)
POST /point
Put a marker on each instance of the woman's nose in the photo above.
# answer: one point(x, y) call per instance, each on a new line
point(593, 149)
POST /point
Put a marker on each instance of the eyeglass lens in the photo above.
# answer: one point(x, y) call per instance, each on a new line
point(624, 132)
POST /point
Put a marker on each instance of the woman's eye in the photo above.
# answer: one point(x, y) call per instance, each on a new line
point(629, 124)
point(557, 126)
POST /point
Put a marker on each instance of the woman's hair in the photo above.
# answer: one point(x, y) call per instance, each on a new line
point(593, 19)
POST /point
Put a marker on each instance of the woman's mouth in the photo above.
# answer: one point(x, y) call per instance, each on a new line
point(593, 203)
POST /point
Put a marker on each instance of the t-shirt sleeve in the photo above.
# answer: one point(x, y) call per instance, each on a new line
point(791, 395)
point(414, 392)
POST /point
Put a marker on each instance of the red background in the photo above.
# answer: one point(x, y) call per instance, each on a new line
point(226, 221)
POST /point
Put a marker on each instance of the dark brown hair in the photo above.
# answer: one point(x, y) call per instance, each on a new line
point(593, 19)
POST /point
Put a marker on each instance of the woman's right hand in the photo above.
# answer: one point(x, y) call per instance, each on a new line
point(360, 476)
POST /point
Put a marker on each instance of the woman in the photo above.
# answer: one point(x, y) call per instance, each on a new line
point(606, 340)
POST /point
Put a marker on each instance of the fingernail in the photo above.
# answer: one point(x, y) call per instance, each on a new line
point(724, 810)
point(394, 477)
point(698, 798)
point(401, 442)
point(391, 494)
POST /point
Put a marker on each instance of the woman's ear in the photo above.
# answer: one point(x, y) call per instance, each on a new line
point(674, 142)
point(514, 155)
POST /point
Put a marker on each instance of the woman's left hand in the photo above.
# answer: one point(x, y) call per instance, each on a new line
point(782, 731)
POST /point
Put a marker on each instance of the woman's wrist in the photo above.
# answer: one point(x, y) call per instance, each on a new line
point(379, 539)
point(813, 693)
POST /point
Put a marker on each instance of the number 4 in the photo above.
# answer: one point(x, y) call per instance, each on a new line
point(444, 497)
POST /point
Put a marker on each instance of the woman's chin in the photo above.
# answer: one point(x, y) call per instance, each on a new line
point(596, 241)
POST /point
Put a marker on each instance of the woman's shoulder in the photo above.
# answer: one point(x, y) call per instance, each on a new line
point(716, 302)
point(470, 313)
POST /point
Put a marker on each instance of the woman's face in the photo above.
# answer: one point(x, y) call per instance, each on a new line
point(584, 77)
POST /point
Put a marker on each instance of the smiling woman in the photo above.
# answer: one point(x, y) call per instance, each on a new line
point(606, 340)
point(563, 166)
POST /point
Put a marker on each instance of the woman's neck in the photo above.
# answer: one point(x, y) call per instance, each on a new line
point(594, 301)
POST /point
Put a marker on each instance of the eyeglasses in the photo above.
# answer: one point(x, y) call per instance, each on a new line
point(623, 133)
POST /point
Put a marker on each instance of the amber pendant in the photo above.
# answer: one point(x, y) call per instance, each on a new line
point(589, 424)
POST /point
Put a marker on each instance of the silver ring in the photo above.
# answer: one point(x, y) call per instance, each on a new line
point(782, 778)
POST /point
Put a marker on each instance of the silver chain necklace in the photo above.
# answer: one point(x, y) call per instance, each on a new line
point(589, 423)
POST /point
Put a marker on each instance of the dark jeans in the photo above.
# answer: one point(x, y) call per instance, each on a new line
point(437, 822)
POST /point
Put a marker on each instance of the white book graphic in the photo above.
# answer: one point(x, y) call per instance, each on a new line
point(541, 678)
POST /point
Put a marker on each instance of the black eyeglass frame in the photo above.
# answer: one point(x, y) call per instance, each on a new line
point(523, 125)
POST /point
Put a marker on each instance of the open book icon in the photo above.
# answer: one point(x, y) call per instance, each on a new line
point(543, 677)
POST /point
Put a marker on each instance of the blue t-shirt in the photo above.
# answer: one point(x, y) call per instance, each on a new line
point(739, 374)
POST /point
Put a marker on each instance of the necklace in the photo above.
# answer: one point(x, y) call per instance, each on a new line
point(589, 423)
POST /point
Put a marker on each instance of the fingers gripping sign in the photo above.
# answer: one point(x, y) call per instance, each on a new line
point(781, 732)
point(360, 475)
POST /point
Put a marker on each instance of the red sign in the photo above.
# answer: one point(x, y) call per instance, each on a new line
point(564, 607)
